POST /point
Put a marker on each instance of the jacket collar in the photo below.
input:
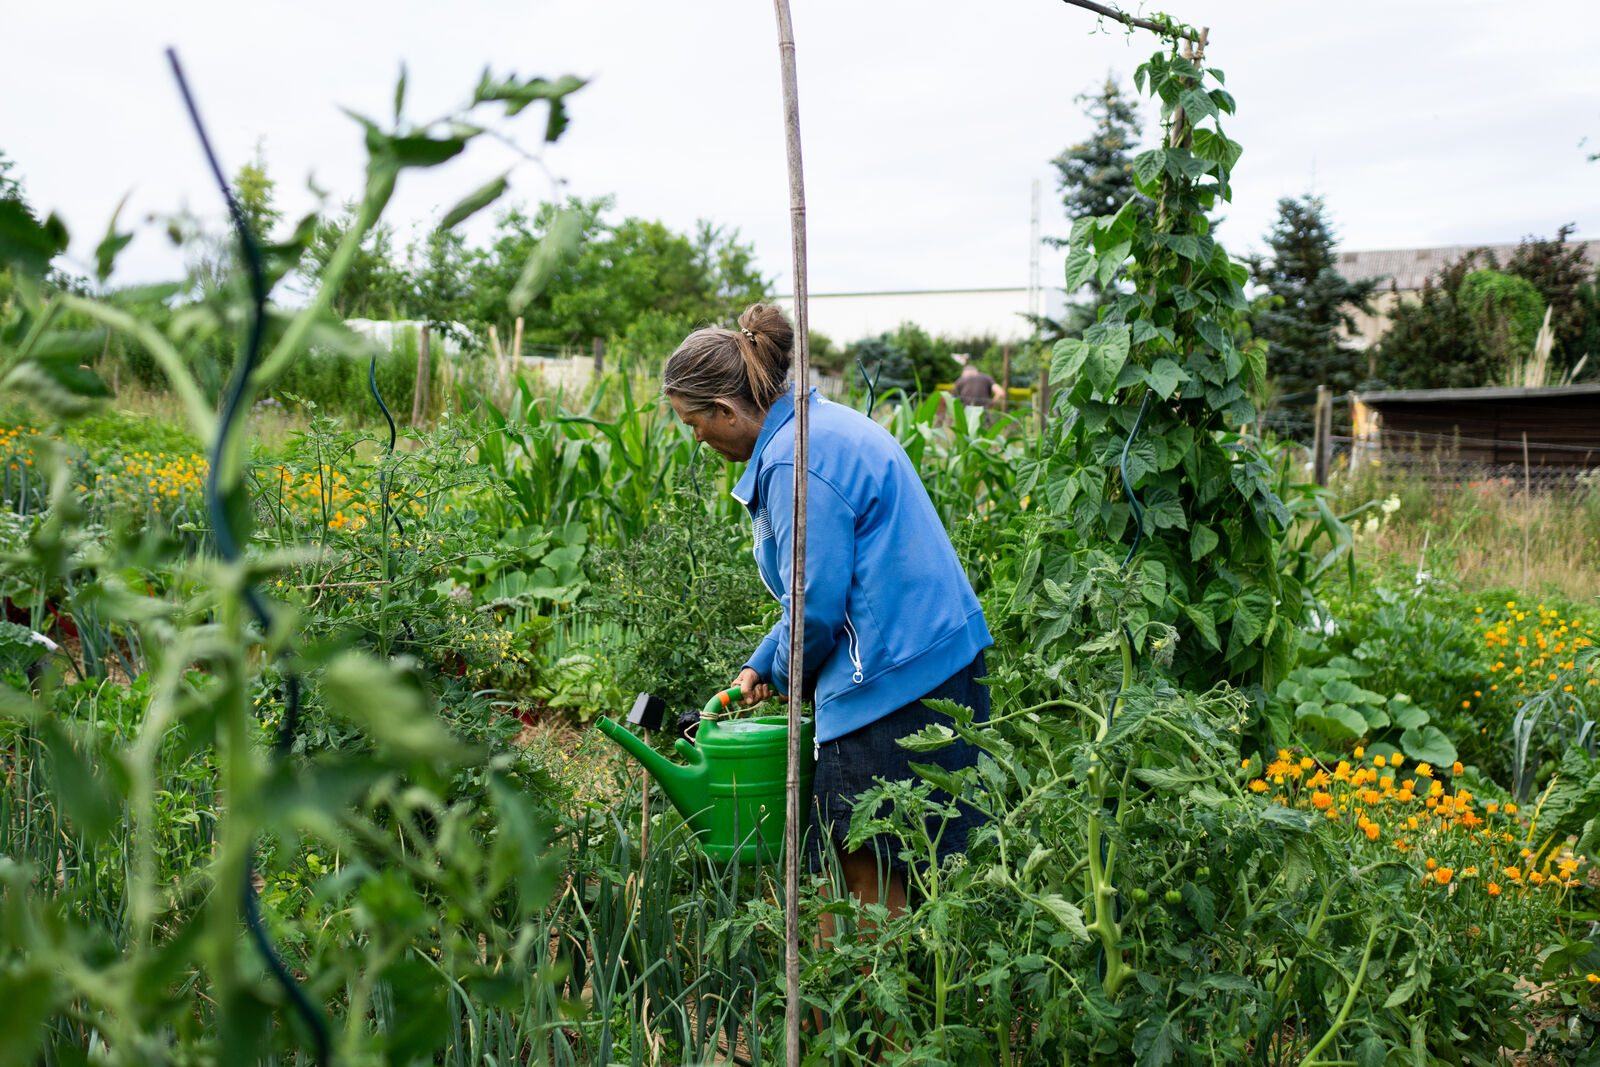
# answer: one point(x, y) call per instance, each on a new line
point(779, 415)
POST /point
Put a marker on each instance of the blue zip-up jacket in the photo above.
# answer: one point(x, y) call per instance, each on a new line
point(890, 613)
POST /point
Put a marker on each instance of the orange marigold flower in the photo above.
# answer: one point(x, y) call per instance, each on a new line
point(1511, 809)
point(1493, 889)
point(1456, 768)
point(1443, 875)
point(1431, 864)
point(1535, 878)
point(1321, 801)
point(1372, 831)
point(1491, 808)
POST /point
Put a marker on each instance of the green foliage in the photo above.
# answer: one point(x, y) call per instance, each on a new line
point(1166, 342)
point(1558, 269)
point(1506, 312)
point(1432, 343)
point(1306, 303)
point(130, 847)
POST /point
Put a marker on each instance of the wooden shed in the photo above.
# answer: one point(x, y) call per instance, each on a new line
point(1488, 426)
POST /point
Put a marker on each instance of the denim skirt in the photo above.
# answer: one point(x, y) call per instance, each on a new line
point(850, 765)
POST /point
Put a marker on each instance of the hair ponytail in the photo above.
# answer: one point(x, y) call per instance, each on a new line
point(749, 365)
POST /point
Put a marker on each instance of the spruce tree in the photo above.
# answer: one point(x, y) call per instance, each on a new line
point(1306, 302)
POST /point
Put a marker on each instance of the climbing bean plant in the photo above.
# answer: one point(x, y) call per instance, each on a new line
point(1214, 521)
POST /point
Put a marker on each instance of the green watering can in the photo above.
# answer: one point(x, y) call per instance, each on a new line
point(731, 791)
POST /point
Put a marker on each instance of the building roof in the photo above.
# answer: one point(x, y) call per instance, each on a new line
point(1489, 392)
point(1408, 268)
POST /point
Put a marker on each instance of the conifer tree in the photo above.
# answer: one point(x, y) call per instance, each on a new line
point(1306, 302)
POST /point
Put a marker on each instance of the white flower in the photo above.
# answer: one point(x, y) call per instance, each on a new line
point(1371, 525)
point(1391, 505)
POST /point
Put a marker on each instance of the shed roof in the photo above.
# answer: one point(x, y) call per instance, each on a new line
point(1491, 392)
point(1408, 268)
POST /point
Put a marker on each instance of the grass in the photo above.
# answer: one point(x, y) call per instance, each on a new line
point(1490, 533)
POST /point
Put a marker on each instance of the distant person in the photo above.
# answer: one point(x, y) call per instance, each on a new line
point(976, 388)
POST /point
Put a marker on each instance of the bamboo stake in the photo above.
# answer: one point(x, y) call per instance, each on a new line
point(797, 595)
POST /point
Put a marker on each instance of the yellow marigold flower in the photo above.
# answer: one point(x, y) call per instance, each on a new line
point(1378, 761)
point(1511, 809)
point(1386, 783)
point(1527, 853)
point(1245, 765)
point(1258, 786)
point(1535, 878)
point(1318, 780)
point(1306, 763)
point(1360, 752)
point(1443, 875)
point(1425, 770)
point(1411, 823)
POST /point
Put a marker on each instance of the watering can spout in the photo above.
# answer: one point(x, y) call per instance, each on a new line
point(686, 785)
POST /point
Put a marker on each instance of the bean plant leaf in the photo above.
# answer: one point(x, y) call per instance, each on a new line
point(1066, 360)
point(1202, 541)
point(1108, 351)
point(1165, 376)
point(1147, 165)
point(1080, 268)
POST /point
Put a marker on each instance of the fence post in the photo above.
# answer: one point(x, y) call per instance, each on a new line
point(1005, 378)
point(599, 356)
point(1321, 443)
point(419, 399)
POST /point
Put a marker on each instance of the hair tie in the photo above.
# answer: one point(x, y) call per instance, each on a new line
point(747, 333)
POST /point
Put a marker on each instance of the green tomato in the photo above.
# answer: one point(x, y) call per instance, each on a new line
point(1174, 897)
point(1140, 895)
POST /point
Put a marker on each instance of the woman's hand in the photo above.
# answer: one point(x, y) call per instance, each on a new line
point(752, 689)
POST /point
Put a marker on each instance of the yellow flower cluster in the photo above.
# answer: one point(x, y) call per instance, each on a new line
point(154, 478)
point(1388, 805)
point(1532, 649)
point(16, 448)
point(307, 494)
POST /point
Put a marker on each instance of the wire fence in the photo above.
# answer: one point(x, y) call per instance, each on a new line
point(1438, 460)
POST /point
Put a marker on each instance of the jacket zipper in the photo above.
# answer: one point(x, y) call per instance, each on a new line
point(855, 648)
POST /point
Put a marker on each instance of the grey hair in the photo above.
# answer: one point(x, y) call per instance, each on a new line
point(749, 365)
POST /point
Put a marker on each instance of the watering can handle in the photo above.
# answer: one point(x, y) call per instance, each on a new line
point(719, 705)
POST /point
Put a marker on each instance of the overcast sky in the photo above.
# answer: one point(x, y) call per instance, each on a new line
point(1421, 122)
